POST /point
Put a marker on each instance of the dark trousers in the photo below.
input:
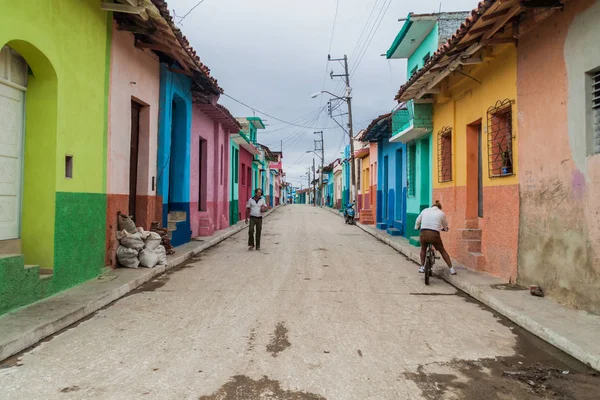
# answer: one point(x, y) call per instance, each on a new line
point(255, 222)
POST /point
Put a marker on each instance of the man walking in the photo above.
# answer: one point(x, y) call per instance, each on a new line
point(255, 207)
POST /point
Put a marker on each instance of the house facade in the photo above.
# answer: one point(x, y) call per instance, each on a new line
point(53, 149)
point(558, 59)
point(419, 38)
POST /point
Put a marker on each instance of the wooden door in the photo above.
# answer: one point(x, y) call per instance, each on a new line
point(133, 156)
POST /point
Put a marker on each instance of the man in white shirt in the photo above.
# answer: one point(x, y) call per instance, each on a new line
point(255, 207)
point(431, 222)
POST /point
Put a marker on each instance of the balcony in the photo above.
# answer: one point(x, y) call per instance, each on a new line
point(412, 123)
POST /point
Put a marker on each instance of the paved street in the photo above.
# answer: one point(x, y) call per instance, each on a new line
point(325, 311)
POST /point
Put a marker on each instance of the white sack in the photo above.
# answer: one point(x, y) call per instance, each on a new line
point(152, 241)
point(127, 257)
point(161, 252)
point(133, 241)
point(148, 258)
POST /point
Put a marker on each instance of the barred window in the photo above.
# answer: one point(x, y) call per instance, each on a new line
point(445, 155)
point(499, 136)
point(411, 170)
point(594, 112)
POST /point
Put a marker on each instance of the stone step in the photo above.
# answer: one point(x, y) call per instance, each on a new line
point(382, 225)
point(472, 245)
point(394, 232)
point(472, 223)
point(177, 216)
point(470, 234)
point(415, 241)
point(476, 261)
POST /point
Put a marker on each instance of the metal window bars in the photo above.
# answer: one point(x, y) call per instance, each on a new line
point(500, 139)
point(596, 110)
point(444, 138)
point(411, 170)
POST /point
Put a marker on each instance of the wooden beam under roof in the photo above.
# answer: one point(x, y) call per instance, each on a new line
point(163, 49)
point(140, 30)
point(122, 8)
point(516, 9)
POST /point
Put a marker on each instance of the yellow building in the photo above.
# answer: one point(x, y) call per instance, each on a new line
point(471, 82)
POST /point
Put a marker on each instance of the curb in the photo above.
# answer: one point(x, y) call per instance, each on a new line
point(548, 335)
point(29, 336)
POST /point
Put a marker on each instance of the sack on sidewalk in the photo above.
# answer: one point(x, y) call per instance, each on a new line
point(132, 241)
point(125, 222)
point(148, 258)
point(128, 257)
point(161, 252)
point(152, 241)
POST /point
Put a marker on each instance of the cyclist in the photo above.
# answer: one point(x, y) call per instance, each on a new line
point(431, 222)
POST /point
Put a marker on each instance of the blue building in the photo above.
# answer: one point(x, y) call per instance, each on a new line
point(391, 176)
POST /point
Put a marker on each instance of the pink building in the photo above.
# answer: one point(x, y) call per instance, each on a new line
point(132, 137)
point(212, 125)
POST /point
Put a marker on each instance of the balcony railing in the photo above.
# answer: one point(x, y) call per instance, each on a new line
point(412, 122)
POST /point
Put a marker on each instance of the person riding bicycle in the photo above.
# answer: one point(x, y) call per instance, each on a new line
point(431, 222)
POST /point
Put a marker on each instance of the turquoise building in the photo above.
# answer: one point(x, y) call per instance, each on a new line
point(412, 124)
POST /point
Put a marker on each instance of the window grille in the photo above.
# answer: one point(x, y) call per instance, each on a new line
point(500, 136)
point(596, 110)
point(426, 58)
point(414, 70)
point(445, 155)
point(411, 170)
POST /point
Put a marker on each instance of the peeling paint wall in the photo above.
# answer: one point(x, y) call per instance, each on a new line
point(560, 203)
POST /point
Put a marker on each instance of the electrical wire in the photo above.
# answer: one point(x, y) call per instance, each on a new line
point(188, 13)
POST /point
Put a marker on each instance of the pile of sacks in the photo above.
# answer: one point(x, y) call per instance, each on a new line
point(138, 247)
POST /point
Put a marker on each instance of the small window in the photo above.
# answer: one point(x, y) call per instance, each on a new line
point(500, 135)
point(593, 83)
point(411, 172)
point(68, 166)
point(426, 58)
point(222, 166)
point(414, 70)
point(235, 165)
point(445, 155)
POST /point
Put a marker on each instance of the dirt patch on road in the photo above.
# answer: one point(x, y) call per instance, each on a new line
point(279, 340)
point(242, 387)
point(537, 370)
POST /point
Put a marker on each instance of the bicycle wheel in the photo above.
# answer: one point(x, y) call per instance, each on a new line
point(427, 270)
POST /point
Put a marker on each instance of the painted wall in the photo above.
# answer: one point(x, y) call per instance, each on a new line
point(391, 186)
point(373, 168)
point(428, 45)
point(559, 226)
point(216, 215)
point(174, 139)
point(421, 197)
point(468, 104)
point(135, 75)
point(67, 108)
point(234, 181)
point(245, 182)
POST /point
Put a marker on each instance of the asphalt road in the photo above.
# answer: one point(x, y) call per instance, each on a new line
point(324, 311)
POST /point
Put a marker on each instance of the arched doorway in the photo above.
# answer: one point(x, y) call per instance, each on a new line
point(28, 121)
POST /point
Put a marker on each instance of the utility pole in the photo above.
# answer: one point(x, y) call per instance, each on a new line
point(308, 187)
point(314, 186)
point(348, 99)
point(321, 148)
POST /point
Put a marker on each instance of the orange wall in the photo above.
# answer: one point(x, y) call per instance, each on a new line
point(560, 183)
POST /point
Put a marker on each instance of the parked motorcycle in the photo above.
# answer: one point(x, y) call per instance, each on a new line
point(349, 214)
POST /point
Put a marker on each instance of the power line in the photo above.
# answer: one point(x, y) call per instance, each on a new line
point(188, 13)
point(269, 115)
point(357, 64)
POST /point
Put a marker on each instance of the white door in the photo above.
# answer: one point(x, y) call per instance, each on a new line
point(12, 96)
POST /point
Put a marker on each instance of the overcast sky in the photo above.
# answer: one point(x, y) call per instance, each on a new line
point(272, 55)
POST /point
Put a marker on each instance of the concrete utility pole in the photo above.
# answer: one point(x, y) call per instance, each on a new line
point(348, 100)
point(322, 158)
point(314, 185)
point(308, 187)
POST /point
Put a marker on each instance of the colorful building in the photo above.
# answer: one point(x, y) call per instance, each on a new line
point(337, 184)
point(391, 176)
point(419, 38)
point(365, 203)
point(54, 107)
point(473, 91)
point(558, 81)
point(247, 152)
point(212, 127)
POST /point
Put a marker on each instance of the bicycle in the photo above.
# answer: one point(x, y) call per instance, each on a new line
point(429, 261)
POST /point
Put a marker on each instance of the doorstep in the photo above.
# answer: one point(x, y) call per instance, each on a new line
point(26, 326)
point(572, 331)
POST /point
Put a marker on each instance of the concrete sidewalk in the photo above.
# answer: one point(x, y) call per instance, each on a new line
point(575, 332)
point(26, 326)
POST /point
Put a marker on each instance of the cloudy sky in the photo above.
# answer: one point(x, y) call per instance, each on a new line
point(272, 55)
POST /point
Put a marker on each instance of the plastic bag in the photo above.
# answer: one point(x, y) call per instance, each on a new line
point(126, 223)
point(148, 258)
point(133, 241)
point(128, 257)
point(161, 252)
point(152, 240)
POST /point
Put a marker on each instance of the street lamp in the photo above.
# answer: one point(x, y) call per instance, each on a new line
point(317, 94)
